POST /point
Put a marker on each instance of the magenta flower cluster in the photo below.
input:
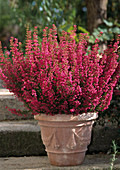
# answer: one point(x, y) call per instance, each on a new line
point(60, 77)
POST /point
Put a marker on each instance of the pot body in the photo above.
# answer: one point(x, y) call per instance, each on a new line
point(66, 137)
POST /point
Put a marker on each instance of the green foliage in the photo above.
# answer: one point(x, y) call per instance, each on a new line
point(82, 30)
point(4, 15)
point(107, 23)
point(109, 30)
point(115, 151)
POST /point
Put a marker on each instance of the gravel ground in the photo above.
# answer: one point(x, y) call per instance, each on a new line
point(91, 162)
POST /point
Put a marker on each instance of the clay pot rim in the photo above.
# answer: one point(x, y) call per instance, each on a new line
point(65, 118)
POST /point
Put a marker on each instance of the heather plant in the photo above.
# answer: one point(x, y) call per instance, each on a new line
point(60, 77)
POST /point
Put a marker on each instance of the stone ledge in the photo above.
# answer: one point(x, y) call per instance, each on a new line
point(23, 138)
point(6, 93)
point(91, 162)
point(16, 126)
point(8, 99)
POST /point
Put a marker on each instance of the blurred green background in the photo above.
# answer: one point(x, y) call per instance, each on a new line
point(91, 16)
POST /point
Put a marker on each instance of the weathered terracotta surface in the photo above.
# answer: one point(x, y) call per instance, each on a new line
point(66, 137)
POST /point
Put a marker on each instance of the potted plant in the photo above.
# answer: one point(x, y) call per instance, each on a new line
point(64, 84)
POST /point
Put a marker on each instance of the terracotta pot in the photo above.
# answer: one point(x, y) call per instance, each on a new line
point(66, 137)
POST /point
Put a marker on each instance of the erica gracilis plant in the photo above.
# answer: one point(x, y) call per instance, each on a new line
point(60, 78)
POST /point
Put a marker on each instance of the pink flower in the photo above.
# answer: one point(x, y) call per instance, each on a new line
point(72, 110)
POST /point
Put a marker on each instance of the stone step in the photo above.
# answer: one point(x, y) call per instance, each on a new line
point(23, 138)
point(20, 138)
point(8, 99)
point(91, 162)
point(1, 84)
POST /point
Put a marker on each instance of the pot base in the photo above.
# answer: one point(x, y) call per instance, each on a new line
point(72, 159)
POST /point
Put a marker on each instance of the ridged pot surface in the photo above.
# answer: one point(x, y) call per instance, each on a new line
point(66, 137)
